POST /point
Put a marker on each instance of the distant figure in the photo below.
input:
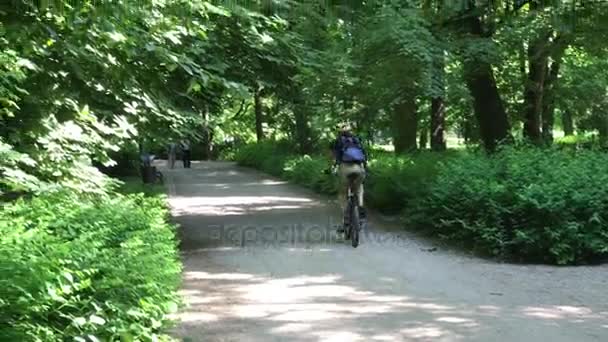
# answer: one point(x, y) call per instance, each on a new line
point(147, 159)
point(185, 145)
point(172, 152)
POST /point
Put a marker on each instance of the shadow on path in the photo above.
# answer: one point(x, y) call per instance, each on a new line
point(262, 264)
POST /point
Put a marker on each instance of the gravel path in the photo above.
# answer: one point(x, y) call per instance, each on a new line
point(262, 264)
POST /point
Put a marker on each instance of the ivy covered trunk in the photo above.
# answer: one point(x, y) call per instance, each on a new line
point(437, 104)
point(548, 110)
point(302, 127)
point(534, 88)
point(405, 125)
point(424, 138)
point(567, 123)
point(259, 118)
point(207, 136)
point(437, 124)
point(602, 128)
point(488, 106)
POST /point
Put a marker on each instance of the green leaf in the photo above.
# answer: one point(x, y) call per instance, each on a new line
point(79, 321)
point(216, 10)
point(26, 63)
point(97, 320)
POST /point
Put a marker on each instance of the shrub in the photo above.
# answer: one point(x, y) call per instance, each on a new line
point(84, 269)
point(396, 183)
point(393, 183)
point(278, 160)
point(582, 141)
point(267, 156)
point(309, 172)
point(529, 204)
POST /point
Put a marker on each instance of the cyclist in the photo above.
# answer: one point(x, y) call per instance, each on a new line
point(350, 158)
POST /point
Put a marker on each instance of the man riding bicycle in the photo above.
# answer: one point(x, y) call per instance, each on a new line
point(351, 159)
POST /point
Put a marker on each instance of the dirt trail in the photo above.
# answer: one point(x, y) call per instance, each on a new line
point(262, 264)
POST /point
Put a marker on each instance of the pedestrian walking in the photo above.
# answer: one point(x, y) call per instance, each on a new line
point(185, 145)
point(171, 154)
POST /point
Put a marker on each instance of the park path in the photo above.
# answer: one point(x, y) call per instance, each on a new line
point(262, 264)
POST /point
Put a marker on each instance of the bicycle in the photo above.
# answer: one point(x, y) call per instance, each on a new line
point(353, 211)
point(353, 218)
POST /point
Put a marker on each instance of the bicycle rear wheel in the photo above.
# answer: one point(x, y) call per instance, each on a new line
point(355, 225)
point(348, 228)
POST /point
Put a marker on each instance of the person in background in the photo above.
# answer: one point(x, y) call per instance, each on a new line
point(171, 154)
point(185, 145)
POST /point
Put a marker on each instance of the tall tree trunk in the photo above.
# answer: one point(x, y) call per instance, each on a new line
point(438, 142)
point(207, 136)
point(534, 89)
point(567, 122)
point(405, 125)
point(259, 116)
point(548, 114)
point(488, 106)
point(602, 129)
point(303, 130)
point(424, 138)
point(437, 104)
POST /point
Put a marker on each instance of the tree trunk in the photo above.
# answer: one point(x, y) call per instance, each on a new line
point(567, 123)
point(207, 136)
point(259, 118)
point(548, 113)
point(534, 89)
point(405, 125)
point(488, 106)
point(424, 138)
point(437, 104)
point(438, 124)
point(303, 131)
point(603, 130)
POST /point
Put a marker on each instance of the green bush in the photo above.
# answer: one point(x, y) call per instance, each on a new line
point(267, 156)
point(581, 141)
point(393, 183)
point(278, 160)
point(309, 172)
point(528, 204)
point(84, 269)
point(396, 183)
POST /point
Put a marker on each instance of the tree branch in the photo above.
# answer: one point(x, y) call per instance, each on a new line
point(242, 109)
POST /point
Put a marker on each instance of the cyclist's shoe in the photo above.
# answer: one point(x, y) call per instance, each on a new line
point(362, 213)
point(342, 228)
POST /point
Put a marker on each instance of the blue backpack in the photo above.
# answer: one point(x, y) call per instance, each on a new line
point(352, 151)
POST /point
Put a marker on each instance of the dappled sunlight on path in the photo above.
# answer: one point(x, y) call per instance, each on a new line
point(262, 264)
point(275, 305)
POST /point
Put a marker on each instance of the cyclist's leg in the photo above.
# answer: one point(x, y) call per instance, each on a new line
point(342, 191)
point(345, 171)
point(360, 189)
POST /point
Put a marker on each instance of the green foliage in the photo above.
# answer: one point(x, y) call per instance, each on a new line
point(586, 141)
point(523, 204)
point(397, 183)
point(85, 269)
point(309, 172)
point(79, 81)
point(278, 160)
point(528, 204)
point(267, 156)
